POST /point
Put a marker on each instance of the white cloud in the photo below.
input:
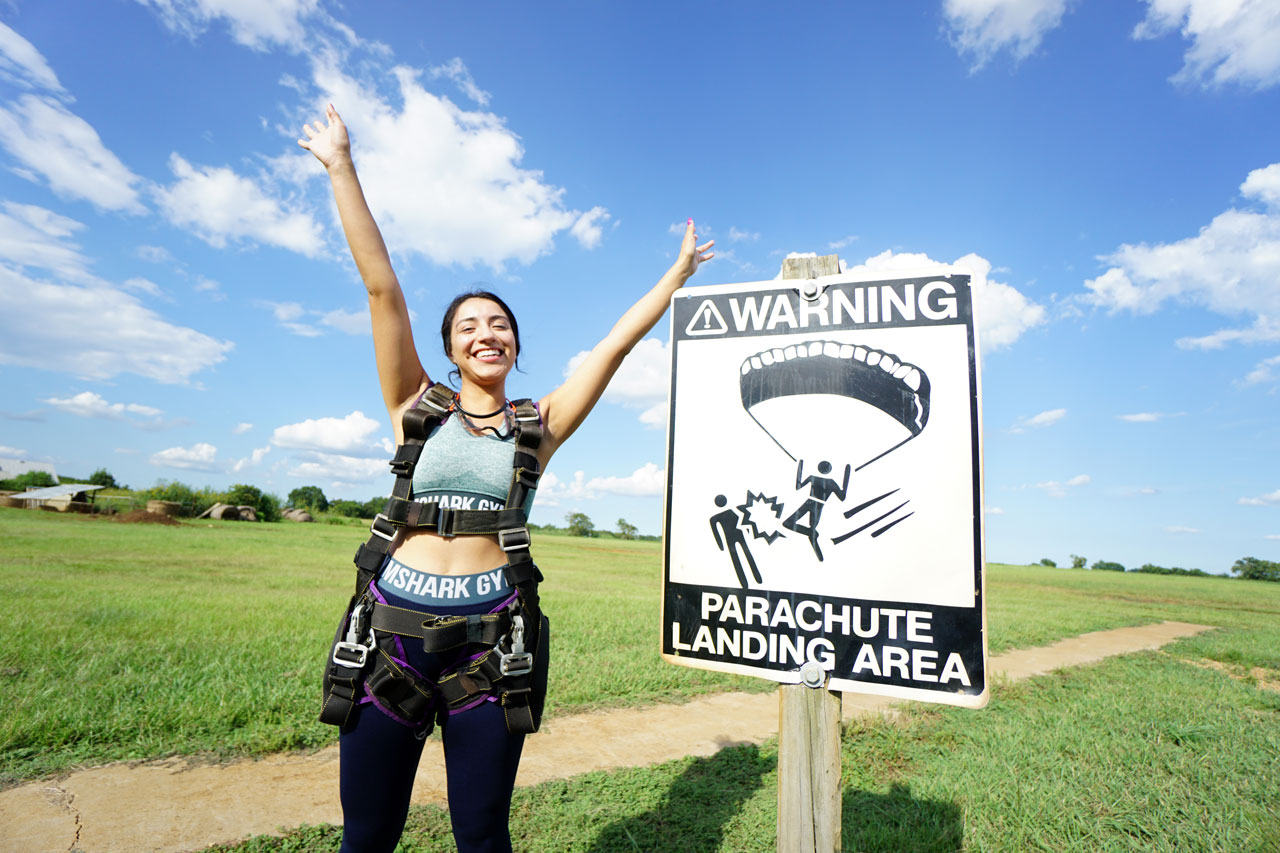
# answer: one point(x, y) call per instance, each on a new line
point(1272, 536)
point(1232, 41)
point(1177, 528)
point(251, 460)
point(155, 254)
point(242, 428)
point(456, 71)
point(253, 23)
point(993, 510)
point(50, 140)
point(1045, 418)
point(739, 236)
point(842, 242)
point(981, 28)
point(447, 183)
point(352, 435)
point(588, 230)
point(198, 457)
point(350, 322)
point(338, 468)
point(218, 205)
point(1149, 417)
point(1054, 489)
point(1262, 371)
point(5, 450)
point(1230, 268)
point(96, 332)
point(1272, 499)
point(87, 404)
point(22, 63)
point(32, 236)
point(1001, 312)
point(642, 382)
point(646, 481)
point(1138, 491)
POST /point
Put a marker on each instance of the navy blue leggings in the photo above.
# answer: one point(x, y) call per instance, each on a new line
point(379, 758)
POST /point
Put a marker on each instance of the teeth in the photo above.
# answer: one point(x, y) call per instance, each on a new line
point(910, 376)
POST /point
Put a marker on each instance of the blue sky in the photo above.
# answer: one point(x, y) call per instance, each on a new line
point(176, 301)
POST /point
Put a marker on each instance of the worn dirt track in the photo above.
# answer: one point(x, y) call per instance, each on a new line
point(177, 805)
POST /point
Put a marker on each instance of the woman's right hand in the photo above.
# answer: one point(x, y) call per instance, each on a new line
point(328, 142)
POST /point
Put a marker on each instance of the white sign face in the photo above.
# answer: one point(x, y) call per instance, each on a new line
point(824, 497)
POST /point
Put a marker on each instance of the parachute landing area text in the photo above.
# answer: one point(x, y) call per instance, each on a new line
point(842, 305)
point(921, 647)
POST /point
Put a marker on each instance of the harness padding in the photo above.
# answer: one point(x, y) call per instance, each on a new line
point(507, 649)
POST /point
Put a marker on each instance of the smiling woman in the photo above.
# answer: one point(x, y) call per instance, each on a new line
point(445, 625)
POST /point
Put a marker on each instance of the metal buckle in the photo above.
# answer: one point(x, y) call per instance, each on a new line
point(361, 653)
point(516, 663)
point(373, 528)
point(502, 539)
point(444, 521)
point(529, 419)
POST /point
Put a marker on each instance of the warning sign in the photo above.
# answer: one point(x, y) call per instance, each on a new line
point(824, 485)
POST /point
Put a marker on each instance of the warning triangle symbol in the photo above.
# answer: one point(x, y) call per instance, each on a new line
point(707, 320)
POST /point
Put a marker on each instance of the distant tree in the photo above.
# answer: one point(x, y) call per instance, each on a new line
point(266, 505)
point(1152, 569)
point(1105, 566)
point(309, 497)
point(1077, 562)
point(34, 479)
point(102, 477)
point(350, 509)
point(1254, 569)
point(626, 530)
point(579, 524)
point(1050, 563)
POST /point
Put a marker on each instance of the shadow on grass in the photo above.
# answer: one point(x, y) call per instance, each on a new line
point(897, 821)
point(692, 814)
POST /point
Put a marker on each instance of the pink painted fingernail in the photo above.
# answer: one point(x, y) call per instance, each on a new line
point(690, 220)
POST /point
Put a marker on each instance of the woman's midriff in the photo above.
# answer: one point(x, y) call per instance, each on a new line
point(453, 555)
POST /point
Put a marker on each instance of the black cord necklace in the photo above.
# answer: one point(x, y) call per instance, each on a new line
point(469, 419)
point(457, 404)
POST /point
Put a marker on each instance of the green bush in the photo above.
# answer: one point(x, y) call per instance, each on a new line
point(193, 501)
point(1105, 566)
point(102, 477)
point(265, 504)
point(1047, 562)
point(1152, 569)
point(579, 524)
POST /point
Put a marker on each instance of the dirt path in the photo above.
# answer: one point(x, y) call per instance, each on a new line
point(174, 805)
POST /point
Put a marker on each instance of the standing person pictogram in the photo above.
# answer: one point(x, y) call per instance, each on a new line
point(734, 541)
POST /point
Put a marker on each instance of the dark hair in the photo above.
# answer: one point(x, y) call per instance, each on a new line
point(446, 325)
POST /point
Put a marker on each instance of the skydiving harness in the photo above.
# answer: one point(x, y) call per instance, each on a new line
point(508, 653)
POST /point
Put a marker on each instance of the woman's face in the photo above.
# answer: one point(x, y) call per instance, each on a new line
point(482, 343)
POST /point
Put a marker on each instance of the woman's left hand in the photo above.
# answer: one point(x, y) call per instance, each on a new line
point(691, 254)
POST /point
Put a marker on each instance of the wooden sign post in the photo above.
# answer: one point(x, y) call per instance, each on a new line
point(809, 804)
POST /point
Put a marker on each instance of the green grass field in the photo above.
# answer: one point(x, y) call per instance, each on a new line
point(132, 641)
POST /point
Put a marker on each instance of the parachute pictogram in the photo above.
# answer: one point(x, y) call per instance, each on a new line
point(824, 400)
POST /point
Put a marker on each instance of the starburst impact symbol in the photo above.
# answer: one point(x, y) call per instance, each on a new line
point(763, 522)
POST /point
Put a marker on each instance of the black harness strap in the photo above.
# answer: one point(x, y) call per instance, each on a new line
point(514, 668)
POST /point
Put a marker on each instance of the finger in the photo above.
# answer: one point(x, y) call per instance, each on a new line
point(708, 256)
point(306, 145)
point(706, 245)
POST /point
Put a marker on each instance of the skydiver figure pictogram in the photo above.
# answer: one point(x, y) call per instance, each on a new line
point(820, 488)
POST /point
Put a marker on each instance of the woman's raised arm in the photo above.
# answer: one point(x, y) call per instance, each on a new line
point(564, 409)
point(400, 372)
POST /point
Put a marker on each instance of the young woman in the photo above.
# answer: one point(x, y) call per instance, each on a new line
point(465, 461)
